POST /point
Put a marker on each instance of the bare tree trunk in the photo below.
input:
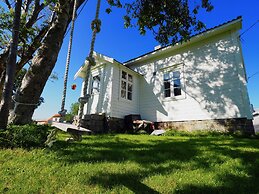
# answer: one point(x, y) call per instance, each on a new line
point(10, 70)
point(42, 65)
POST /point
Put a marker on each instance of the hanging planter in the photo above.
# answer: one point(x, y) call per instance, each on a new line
point(73, 87)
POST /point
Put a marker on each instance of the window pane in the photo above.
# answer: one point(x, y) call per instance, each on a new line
point(177, 91)
point(126, 85)
point(97, 78)
point(176, 74)
point(129, 96)
point(130, 79)
point(130, 87)
point(177, 83)
point(124, 75)
point(123, 85)
point(167, 93)
point(123, 93)
point(166, 85)
point(166, 76)
point(95, 84)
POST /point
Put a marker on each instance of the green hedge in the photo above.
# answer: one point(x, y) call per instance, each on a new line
point(25, 136)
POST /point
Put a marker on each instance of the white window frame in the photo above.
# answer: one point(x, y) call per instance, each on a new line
point(173, 68)
point(128, 82)
point(95, 90)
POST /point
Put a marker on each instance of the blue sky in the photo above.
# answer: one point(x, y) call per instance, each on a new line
point(123, 44)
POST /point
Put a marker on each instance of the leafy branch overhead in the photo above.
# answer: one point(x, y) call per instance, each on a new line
point(170, 21)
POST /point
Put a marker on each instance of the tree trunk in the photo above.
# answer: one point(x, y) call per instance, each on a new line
point(3, 61)
point(2, 81)
point(10, 69)
point(42, 65)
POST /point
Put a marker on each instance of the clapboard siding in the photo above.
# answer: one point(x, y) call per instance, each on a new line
point(213, 82)
point(101, 102)
point(121, 107)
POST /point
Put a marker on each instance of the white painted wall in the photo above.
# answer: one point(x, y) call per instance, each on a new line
point(101, 102)
point(214, 82)
point(108, 100)
point(120, 106)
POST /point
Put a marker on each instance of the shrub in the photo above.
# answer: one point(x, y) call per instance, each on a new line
point(25, 136)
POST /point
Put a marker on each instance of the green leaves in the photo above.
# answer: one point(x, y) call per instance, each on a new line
point(26, 136)
point(170, 20)
point(127, 21)
point(108, 10)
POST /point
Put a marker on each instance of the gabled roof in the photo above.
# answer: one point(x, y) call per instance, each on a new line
point(232, 24)
point(56, 115)
point(100, 60)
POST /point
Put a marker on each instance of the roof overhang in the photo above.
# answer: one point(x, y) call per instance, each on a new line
point(233, 25)
point(100, 60)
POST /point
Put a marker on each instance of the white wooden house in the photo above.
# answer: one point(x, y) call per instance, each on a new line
point(199, 84)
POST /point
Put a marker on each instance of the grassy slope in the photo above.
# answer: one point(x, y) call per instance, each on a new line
point(134, 164)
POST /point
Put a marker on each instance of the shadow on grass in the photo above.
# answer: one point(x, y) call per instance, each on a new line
point(153, 153)
point(129, 180)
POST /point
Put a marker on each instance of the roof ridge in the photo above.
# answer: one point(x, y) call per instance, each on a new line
point(172, 44)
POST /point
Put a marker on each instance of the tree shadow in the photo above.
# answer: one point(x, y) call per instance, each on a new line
point(153, 154)
point(119, 149)
point(213, 82)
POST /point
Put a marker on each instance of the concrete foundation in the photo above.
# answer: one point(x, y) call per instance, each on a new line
point(99, 123)
point(224, 125)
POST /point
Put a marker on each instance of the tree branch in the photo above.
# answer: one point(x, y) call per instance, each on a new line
point(31, 49)
point(8, 4)
point(27, 5)
point(34, 17)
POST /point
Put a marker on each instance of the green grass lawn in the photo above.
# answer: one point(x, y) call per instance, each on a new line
point(134, 164)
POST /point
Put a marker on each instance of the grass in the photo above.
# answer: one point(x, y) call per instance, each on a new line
point(134, 164)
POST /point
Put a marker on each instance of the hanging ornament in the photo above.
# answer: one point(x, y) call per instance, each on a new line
point(73, 87)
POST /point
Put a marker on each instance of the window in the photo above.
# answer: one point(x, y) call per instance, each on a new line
point(95, 84)
point(126, 85)
point(172, 84)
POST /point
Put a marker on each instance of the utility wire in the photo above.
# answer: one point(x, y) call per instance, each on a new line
point(83, 6)
point(249, 28)
point(243, 40)
point(253, 75)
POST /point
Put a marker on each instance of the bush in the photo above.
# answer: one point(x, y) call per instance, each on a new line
point(25, 136)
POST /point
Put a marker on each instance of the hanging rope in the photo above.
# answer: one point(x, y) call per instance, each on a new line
point(25, 104)
point(63, 111)
point(52, 136)
point(96, 27)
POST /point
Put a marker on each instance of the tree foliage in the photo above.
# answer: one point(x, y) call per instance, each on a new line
point(35, 16)
point(74, 108)
point(35, 21)
point(170, 20)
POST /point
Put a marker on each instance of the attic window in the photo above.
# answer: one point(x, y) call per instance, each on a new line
point(126, 85)
point(172, 84)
